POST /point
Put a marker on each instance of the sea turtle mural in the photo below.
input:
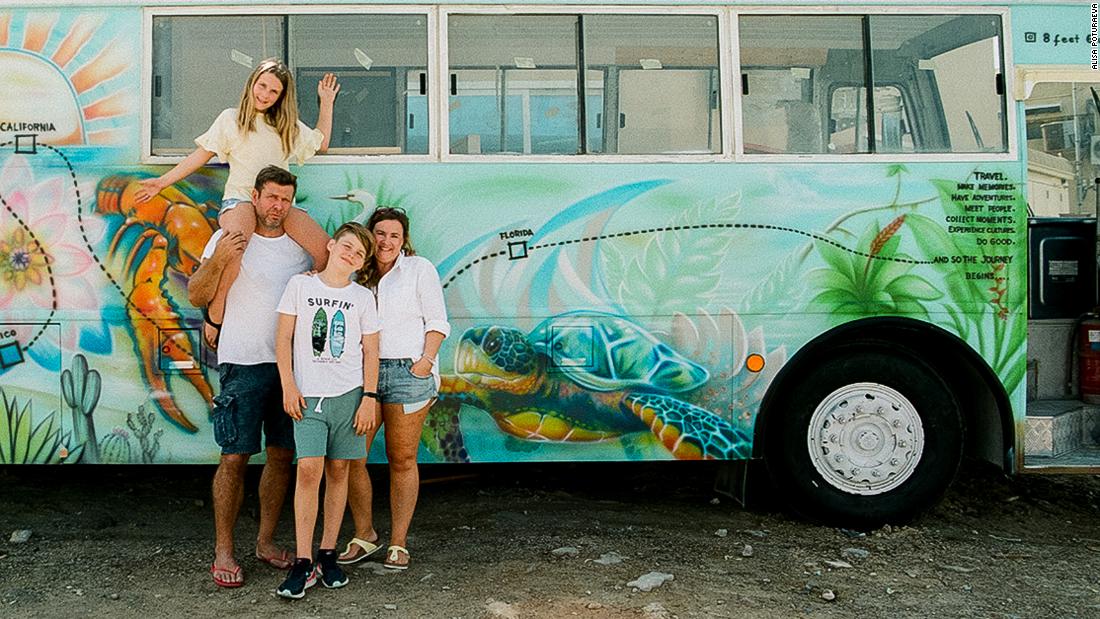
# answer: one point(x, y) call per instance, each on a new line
point(587, 376)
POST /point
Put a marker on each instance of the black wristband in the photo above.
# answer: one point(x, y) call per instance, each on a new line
point(371, 394)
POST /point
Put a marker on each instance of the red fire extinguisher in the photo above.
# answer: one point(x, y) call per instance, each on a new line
point(1088, 357)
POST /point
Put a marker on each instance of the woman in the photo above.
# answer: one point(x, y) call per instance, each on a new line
point(414, 324)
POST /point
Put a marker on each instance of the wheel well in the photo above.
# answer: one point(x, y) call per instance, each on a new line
point(987, 414)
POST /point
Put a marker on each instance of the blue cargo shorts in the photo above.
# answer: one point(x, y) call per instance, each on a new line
point(250, 403)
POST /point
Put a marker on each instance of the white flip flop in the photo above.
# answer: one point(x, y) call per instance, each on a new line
point(368, 548)
point(391, 557)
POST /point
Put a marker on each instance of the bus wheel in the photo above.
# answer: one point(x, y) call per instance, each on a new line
point(864, 438)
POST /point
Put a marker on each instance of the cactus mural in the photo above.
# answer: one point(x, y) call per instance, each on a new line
point(141, 424)
point(81, 388)
point(114, 448)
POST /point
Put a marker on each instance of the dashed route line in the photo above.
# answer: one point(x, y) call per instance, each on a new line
point(84, 233)
point(49, 266)
point(84, 236)
point(451, 279)
point(727, 226)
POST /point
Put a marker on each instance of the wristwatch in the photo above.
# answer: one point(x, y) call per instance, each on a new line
point(371, 394)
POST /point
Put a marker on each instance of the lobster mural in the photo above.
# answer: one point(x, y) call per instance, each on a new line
point(159, 240)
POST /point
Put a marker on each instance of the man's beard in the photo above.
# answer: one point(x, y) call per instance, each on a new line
point(270, 222)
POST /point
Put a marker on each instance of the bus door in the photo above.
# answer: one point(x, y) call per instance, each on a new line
point(1061, 128)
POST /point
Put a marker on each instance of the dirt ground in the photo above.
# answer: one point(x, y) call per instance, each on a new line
point(559, 541)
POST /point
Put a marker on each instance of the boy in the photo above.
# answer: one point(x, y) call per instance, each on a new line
point(327, 351)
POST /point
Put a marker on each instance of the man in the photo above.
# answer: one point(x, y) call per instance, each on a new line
point(251, 395)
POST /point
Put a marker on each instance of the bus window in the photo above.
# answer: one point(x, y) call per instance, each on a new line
point(785, 80)
point(380, 61)
point(1063, 148)
point(513, 84)
point(848, 120)
point(416, 112)
point(200, 64)
point(949, 67)
point(659, 83)
point(938, 84)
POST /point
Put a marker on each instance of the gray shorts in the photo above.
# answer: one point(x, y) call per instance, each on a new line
point(251, 401)
point(327, 428)
point(398, 385)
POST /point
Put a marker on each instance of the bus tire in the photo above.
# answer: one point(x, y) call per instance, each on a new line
point(865, 437)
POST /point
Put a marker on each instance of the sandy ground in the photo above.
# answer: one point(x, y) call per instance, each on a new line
point(560, 541)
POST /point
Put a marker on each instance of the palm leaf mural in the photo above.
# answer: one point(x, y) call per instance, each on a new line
point(777, 285)
point(863, 283)
point(673, 266)
point(785, 279)
point(979, 307)
point(613, 262)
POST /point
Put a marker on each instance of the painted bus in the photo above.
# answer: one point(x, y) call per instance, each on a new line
point(788, 234)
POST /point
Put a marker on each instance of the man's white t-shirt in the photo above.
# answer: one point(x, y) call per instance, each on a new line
point(328, 333)
point(248, 329)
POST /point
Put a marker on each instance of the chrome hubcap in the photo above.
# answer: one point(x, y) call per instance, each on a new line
point(865, 438)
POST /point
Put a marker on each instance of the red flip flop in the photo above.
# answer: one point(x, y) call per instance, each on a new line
point(281, 561)
point(221, 581)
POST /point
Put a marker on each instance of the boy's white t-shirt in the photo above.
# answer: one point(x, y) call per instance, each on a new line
point(248, 152)
point(328, 333)
point(248, 328)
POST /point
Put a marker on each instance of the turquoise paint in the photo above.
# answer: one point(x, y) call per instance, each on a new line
point(1051, 34)
point(572, 266)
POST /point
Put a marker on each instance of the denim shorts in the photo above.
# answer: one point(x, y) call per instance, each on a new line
point(398, 385)
point(327, 428)
point(251, 401)
point(229, 203)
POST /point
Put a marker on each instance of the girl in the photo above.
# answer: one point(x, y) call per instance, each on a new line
point(414, 323)
point(263, 130)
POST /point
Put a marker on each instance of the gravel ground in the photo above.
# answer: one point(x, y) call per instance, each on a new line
point(559, 541)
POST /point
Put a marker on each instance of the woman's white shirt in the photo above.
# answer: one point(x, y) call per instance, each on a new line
point(410, 304)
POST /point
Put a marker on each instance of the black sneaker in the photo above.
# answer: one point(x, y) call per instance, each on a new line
point(302, 576)
point(332, 576)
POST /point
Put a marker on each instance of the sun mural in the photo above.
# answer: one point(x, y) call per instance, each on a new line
point(67, 82)
point(63, 79)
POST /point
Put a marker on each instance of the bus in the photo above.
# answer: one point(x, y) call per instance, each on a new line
point(788, 235)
